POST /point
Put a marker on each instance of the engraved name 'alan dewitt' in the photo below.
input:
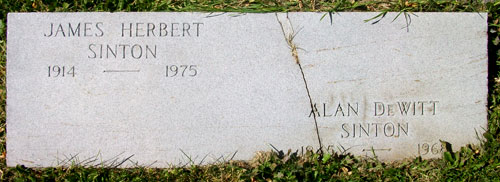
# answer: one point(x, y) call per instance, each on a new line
point(387, 128)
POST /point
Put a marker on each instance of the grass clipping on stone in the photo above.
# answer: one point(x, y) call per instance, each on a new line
point(471, 163)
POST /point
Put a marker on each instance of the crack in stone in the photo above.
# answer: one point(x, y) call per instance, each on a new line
point(289, 36)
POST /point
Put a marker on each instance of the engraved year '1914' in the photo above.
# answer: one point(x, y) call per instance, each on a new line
point(181, 70)
point(61, 71)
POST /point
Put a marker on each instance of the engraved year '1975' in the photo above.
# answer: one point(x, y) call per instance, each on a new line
point(181, 70)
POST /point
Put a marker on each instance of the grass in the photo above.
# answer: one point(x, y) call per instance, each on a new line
point(471, 163)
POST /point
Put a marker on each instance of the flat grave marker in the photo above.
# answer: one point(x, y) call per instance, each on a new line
point(157, 87)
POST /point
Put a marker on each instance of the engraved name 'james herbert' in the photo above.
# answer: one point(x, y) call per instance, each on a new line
point(171, 89)
point(129, 29)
